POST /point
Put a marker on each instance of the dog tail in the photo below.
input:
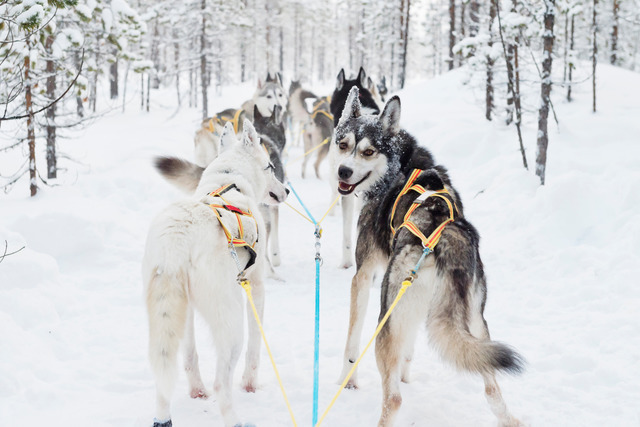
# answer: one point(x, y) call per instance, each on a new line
point(448, 329)
point(167, 310)
point(179, 172)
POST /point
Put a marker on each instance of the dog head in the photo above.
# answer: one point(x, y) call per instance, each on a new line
point(366, 146)
point(269, 94)
point(272, 136)
point(342, 90)
point(251, 151)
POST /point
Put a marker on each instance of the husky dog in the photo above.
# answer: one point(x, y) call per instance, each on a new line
point(297, 109)
point(318, 131)
point(383, 91)
point(369, 106)
point(272, 137)
point(188, 264)
point(449, 292)
point(268, 95)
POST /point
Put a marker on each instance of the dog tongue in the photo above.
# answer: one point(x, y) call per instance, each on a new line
point(344, 186)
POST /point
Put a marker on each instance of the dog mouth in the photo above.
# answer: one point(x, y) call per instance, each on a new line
point(344, 188)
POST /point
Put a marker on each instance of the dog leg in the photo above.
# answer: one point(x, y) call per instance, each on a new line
point(360, 288)
point(307, 146)
point(167, 311)
point(228, 345)
point(478, 328)
point(196, 387)
point(397, 337)
point(347, 223)
point(274, 243)
point(252, 361)
point(322, 153)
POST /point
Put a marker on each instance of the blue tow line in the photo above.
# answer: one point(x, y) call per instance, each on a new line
point(316, 343)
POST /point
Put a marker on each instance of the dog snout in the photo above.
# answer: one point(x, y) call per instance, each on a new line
point(345, 172)
point(287, 191)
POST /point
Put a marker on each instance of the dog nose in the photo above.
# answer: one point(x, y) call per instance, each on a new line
point(287, 191)
point(345, 172)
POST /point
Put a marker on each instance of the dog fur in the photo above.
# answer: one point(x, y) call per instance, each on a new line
point(449, 293)
point(187, 265)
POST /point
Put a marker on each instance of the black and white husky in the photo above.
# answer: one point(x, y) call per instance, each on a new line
point(188, 265)
point(267, 96)
point(375, 157)
point(369, 105)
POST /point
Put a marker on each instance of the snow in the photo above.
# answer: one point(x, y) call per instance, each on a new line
point(562, 262)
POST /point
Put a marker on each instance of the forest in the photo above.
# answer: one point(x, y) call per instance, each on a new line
point(64, 63)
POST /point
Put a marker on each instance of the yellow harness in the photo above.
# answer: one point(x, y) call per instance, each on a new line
point(234, 241)
point(317, 109)
point(220, 120)
point(433, 239)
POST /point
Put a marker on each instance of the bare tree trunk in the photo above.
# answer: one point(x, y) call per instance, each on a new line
point(155, 55)
point(404, 37)
point(513, 77)
point(281, 65)
point(614, 32)
point(595, 52)
point(571, 45)
point(545, 90)
point(124, 86)
point(141, 91)
point(31, 134)
point(148, 89)
point(463, 24)
point(296, 42)
point(203, 61)
point(176, 62)
point(113, 75)
point(490, 62)
point(79, 104)
point(452, 31)
point(52, 170)
point(474, 17)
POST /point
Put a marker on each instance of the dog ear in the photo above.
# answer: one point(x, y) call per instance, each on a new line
point(390, 116)
point(370, 84)
point(275, 115)
point(249, 136)
point(256, 113)
point(227, 137)
point(260, 83)
point(340, 80)
point(362, 77)
point(269, 79)
point(279, 78)
point(352, 106)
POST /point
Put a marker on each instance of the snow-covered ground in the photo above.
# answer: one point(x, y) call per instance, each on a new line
point(562, 262)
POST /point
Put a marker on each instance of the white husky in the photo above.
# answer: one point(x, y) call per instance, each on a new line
point(188, 264)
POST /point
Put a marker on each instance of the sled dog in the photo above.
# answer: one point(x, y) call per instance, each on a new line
point(272, 137)
point(267, 96)
point(368, 106)
point(375, 159)
point(297, 110)
point(188, 265)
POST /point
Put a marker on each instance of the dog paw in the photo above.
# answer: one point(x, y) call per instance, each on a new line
point(351, 385)
point(157, 423)
point(249, 388)
point(199, 393)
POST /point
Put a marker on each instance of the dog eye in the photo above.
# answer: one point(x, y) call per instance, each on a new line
point(343, 145)
point(270, 166)
point(269, 97)
point(368, 152)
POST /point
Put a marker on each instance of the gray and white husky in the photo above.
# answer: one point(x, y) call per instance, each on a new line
point(375, 158)
point(187, 265)
point(267, 96)
point(369, 105)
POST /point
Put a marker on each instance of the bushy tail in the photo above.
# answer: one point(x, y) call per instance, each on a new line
point(167, 310)
point(457, 345)
point(179, 172)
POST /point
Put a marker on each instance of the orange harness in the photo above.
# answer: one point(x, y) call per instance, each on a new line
point(217, 119)
point(234, 241)
point(433, 239)
point(318, 108)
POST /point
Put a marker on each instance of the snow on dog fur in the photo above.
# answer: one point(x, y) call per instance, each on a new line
point(187, 265)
